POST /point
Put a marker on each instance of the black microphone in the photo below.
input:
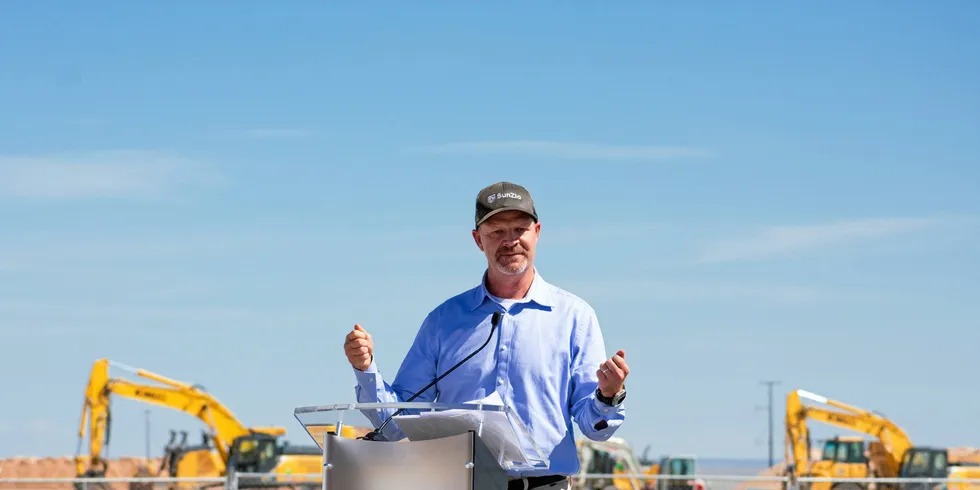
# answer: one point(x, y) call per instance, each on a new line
point(494, 321)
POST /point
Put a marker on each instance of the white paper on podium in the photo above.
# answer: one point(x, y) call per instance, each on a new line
point(497, 431)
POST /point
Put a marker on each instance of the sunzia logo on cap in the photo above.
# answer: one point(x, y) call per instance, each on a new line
point(501, 195)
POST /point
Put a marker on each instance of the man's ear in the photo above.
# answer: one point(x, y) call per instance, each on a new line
point(478, 239)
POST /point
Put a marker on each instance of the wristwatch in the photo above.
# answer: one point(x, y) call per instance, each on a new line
point(615, 400)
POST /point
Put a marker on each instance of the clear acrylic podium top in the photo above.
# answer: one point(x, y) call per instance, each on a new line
point(497, 425)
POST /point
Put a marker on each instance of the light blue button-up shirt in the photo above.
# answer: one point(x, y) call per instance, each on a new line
point(542, 362)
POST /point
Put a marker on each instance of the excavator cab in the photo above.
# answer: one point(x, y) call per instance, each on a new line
point(262, 453)
point(849, 457)
point(923, 462)
point(844, 449)
point(931, 462)
point(255, 453)
point(681, 471)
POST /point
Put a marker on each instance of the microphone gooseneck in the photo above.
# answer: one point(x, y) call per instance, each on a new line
point(494, 321)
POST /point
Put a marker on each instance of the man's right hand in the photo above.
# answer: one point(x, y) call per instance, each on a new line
point(359, 348)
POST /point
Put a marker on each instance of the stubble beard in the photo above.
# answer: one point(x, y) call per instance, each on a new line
point(512, 268)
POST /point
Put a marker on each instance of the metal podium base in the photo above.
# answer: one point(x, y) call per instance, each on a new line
point(460, 462)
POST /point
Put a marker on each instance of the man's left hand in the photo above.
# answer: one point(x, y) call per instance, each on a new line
point(612, 374)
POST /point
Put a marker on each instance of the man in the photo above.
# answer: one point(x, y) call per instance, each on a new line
point(547, 359)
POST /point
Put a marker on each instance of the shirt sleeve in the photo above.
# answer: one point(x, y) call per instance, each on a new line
point(417, 370)
point(596, 420)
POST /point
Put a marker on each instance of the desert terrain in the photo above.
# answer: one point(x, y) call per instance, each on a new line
point(64, 467)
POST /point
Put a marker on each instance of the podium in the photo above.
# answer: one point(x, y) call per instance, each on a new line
point(461, 446)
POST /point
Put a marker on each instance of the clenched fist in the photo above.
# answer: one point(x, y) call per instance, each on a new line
point(612, 374)
point(359, 348)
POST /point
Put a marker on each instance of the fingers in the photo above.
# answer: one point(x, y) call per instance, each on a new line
point(609, 373)
point(620, 363)
point(612, 370)
point(356, 347)
point(358, 333)
point(359, 347)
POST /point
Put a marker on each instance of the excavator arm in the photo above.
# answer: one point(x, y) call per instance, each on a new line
point(95, 411)
point(892, 437)
point(223, 426)
point(797, 435)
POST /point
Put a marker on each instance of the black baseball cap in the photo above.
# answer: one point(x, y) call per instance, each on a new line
point(503, 196)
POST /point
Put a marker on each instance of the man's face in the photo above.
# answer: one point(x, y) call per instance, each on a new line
point(508, 240)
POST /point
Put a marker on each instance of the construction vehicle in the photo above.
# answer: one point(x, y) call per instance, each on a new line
point(842, 456)
point(892, 455)
point(934, 462)
point(610, 457)
point(228, 445)
point(616, 457)
point(198, 460)
point(675, 472)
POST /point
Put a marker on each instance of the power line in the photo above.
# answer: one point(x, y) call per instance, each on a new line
point(769, 386)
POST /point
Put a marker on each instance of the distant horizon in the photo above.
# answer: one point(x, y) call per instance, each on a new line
point(713, 461)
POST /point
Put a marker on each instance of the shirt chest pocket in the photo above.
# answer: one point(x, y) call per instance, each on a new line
point(542, 362)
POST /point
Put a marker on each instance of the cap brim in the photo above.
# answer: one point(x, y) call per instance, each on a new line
point(501, 210)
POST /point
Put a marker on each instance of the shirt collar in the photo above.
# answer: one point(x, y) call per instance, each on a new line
point(539, 292)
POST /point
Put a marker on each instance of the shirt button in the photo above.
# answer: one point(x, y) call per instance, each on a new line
point(503, 347)
point(500, 381)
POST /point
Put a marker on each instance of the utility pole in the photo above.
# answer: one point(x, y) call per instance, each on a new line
point(769, 385)
point(147, 434)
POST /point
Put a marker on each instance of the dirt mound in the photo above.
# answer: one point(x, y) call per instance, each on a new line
point(125, 467)
point(64, 467)
point(776, 470)
point(964, 454)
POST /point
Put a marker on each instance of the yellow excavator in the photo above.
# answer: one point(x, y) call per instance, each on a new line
point(678, 472)
point(616, 457)
point(892, 455)
point(612, 457)
point(228, 444)
point(842, 456)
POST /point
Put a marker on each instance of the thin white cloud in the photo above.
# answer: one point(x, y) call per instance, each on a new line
point(112, 174)
point(780, 241)
point(104, 247)
point(35, 426)
point(588, 233)
point(566, 150)
point(632, 289)
point(270, 133)
point(67, 249)
point(120, 248)
point(27, 318)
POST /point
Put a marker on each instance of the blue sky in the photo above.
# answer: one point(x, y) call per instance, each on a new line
point(218, 192)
